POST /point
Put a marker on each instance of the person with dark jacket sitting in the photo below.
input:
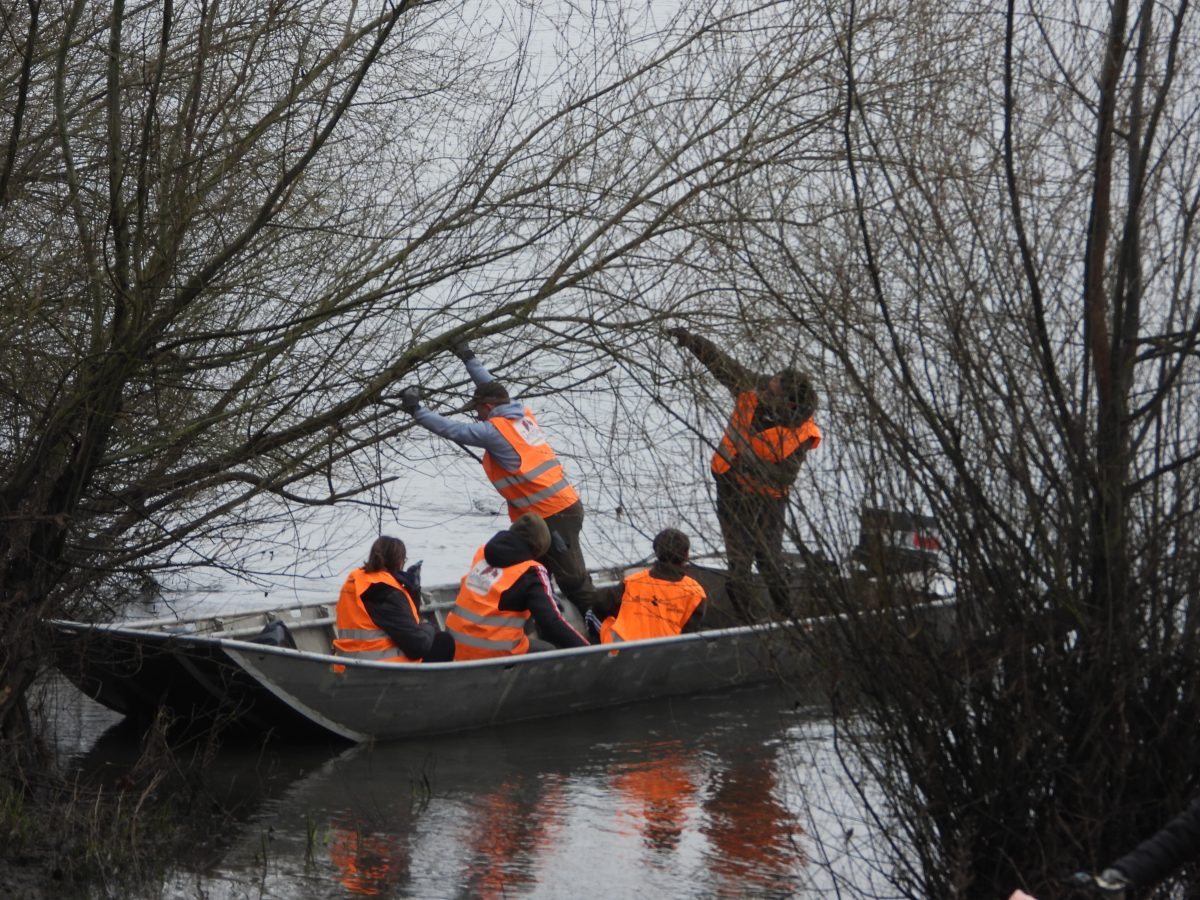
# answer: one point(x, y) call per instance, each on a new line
point(1158, 856)
point(1155, 858)
point(505, 588)
point(661, 601)
point(377, 616)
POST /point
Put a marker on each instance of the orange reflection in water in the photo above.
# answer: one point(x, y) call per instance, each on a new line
point(736, 805)
point(510, 834)
point(658, 795)
point(755, 839)
point(368, 864)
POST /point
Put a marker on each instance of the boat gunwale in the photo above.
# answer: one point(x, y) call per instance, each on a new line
point(127, 630)
point(524, 658)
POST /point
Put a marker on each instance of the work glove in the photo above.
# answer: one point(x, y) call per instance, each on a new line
point(410, 399)
point(1112, 881)
point(413, 574)
point(462, 350)
point(410, 580)
point(679, 335)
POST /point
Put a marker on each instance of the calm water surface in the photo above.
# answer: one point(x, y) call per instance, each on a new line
point(695, 797)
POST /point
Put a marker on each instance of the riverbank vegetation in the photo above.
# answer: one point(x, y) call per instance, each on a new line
point(117, 830)
point(997, 287)
point(232, 231)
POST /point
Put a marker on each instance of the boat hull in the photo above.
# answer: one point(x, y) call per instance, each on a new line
point(205, 680)
point(388, 701)
point(215, 672)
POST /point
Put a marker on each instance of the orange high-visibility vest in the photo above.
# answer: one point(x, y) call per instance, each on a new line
point(772, 445)
point(652, 607)
point(539, 485)
point(481, 629)
point(357, 634)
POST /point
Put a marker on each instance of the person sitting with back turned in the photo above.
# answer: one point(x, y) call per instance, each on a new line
point(506, 587)
point(661, 601)
point(377, 616)
point(521, 466)
point(769, 432)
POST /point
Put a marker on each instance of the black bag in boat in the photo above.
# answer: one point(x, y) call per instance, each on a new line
point(275, 635)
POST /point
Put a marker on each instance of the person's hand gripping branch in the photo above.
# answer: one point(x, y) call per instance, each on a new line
point(410, 399)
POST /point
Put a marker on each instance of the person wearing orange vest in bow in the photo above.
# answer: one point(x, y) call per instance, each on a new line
point(661, 601)
point(769, 432)
point(505, 588)
point(377, 616)
point(522, 466)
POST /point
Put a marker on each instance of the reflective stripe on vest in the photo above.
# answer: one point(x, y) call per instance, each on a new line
point(652, 607)
point(374, 654)
point(479, 627)
point(771, 445)
point(361, 634)
point(357, 635)
point(608, 632)
point(539, 485)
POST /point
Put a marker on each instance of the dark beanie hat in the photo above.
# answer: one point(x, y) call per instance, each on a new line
point(490, 392)
point(797, 390)
point(671, 546)
point(532, 529)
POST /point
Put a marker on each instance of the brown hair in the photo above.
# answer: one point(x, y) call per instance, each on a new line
point(388, 554)
point(671, 546)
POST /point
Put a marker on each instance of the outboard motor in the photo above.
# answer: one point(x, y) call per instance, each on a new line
point(900, 550)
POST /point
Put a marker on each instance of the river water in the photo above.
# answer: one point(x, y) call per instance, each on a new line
point(716, 796)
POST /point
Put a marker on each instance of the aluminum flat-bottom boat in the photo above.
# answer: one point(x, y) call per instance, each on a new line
point(272, 670)
point(235, 672)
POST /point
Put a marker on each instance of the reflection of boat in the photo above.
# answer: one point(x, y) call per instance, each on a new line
point(547, 808)
point(223, 670)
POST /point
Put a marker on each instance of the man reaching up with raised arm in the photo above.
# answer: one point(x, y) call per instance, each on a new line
point(521, 466)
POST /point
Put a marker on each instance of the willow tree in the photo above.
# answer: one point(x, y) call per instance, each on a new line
point(230, 229)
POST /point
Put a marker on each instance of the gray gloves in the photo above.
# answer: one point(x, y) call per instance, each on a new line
point(462, 350)
point(679, 334)
point(1112, 881)
point(410, 399)
point(413, 575)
